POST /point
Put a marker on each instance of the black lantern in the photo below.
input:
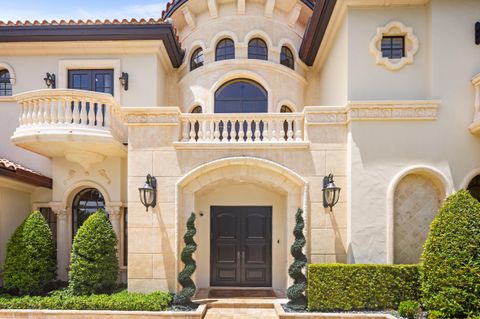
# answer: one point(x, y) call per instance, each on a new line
point(148, 193)
point(50, 80)
point(331, 193)
point(124, 80)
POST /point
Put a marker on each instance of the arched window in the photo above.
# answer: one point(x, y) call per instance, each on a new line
point(85, 203)
point(196, 60)
point(286, 58)
point(241, 96)
point(286, 124)
point(285, 109)
point(5, 85)
point(225, 50)
point(197, 109)
point(257, 49)
point(474, 187)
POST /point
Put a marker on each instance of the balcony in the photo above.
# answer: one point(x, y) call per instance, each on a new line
point(83, 126)
point(475, 126)
point(245, 130)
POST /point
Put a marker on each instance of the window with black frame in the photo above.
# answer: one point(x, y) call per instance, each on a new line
point(125, 236)
point(257, 49)
point(393, 47)
point(85, 203)
point(286, 58)
point(196, 59)
point(225, 50)
point(5, 84)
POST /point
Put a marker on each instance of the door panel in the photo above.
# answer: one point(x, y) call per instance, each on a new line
point(241, 246)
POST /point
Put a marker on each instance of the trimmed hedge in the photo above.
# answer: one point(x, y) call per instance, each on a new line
point(94, 263)
point(30, 262)
point(157, 301)
point(451, 259)
point(341, 287)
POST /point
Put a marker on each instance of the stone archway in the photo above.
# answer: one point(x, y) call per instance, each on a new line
point(275, 180)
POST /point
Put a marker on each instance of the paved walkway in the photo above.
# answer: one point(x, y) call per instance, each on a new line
point(240, 313)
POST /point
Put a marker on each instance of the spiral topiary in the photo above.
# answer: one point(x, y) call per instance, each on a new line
point(295, 293)
point(184, 297)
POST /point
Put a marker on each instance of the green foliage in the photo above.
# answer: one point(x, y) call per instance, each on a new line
point(451, 259)
point(409, 309)
point(123, 300)
point(30, 261)
point(361, 287)
point(184, 297)
point(94, 262)
point(295, 293)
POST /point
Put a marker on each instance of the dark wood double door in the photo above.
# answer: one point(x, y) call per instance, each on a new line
point(241, 246)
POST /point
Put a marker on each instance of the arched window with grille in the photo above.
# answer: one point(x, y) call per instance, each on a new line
point(241, 96)
point(5, 84)
point(196, 60)
point(225, 50)
point(85, 203)
point(257, 49)
point(286, 58)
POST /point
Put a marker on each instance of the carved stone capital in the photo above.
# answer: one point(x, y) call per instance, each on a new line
point(114, 211)
point(59, 210)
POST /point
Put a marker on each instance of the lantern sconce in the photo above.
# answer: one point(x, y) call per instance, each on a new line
point(148, 193)
point(331, 193)
point(50, 80)
point(124, 80)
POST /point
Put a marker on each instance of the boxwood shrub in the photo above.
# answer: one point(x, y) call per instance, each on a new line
point(30, 262)
point(451, 259)
point(340, 287)
point(63, 300)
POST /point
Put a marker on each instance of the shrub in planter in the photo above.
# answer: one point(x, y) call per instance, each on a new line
point(30, 262)
point(184, 297)
point(341, 287)
point(94, 262)
point(451, 259)
point(409, 309)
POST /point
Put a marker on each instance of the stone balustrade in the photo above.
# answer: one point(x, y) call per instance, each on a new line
point(243, 128)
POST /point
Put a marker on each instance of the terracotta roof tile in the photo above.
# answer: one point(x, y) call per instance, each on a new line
point(18, 172)
point(12, 166)
point(80, 22)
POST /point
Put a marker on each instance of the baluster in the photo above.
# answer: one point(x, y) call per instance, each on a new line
point(289, 129)
point(83, 112)
point(185, 132)
point(45, 111)
point(107, 117)
point(241, 133)
point(53, 110)
point(280, 130)
point(273, 130)
point(91, 112)
point(266, 130)
point(298, 131)
point(229, 135)
point(216, 133)
point(76, 112)
point(61, 111)
point(29, 112)
point(69, 105)
point(23, 114)
point(39, 112)
point(257, 129)
point(249, 130)
point(192, 130)
point(101, 110)
point(210, 128)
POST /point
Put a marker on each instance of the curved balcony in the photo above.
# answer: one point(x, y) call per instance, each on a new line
point(83, 126)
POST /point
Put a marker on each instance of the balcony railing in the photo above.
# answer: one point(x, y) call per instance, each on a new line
point(73, 111)
point(278, 128)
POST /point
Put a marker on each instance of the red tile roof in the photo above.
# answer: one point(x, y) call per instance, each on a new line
point(80, 22)
point(18, 172)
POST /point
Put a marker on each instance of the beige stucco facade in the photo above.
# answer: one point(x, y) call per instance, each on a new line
point(395, 134)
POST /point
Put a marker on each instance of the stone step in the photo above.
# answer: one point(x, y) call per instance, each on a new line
point(241, 313)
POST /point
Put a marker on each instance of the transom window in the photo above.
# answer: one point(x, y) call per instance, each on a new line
point(286, 57)
point(257, 49)
point(91, 80)
point(85, 203)
point(285, 109)
point(241, 96)
point(196, 60)
point(225, 50)
point(197, 109)
point(393, 47)
point(5, 85)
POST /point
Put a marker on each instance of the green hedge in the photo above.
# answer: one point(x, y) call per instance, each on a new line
point(157, 301)
point(361, 287)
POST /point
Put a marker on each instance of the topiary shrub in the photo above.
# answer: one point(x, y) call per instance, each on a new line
point(30, 262)
point(409, 309)
point(94, 262)
point(450, 273)
point(184, 297)
point(295, 293)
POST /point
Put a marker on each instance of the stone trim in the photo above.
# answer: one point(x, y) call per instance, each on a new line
point(11, 71)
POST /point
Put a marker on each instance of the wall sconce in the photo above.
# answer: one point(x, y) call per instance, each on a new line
point(148, 193)
point(50, 80)
point(331, 193)
point(124, 80)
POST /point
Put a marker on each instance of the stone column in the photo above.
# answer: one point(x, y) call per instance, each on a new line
point(63, 243)
point(115, 214)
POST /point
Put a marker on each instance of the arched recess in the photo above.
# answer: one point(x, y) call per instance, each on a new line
point(9, 68)
point(258, 34)
point(413, 190)
point(223, 35)
point(250, 170)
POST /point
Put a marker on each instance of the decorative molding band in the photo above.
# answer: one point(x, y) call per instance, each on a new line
point(141, 116)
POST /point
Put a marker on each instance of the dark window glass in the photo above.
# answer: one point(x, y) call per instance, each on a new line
point(285, 109)
point(91, 80)
point(225, 50)
point(286, 125)
point(257, 49)
point(197, 59)
point(286, 58)
point(197, 109)
point(474, 187)
point(393, 47)
point(125, 236)
point(51, 219)
point(241, 96)
point(85, 203)
point(5, 85)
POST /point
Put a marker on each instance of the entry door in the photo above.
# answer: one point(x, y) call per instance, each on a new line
point(241, 246)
